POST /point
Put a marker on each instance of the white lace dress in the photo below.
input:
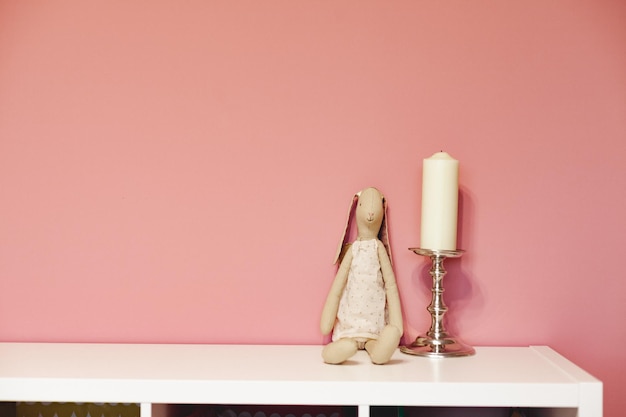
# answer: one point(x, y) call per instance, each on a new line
point(361, 312)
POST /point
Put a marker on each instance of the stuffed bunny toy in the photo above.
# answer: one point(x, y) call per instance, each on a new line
point(362, 308)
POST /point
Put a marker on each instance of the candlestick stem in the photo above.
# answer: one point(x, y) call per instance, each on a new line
point(437, 342)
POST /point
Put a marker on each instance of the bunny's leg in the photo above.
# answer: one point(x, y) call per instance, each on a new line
point(380, 350)
point(339, 351)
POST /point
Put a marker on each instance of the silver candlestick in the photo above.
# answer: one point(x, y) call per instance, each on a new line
point(437, 342)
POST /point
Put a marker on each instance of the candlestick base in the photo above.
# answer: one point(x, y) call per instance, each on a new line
point(437, 347)
point(437, 343)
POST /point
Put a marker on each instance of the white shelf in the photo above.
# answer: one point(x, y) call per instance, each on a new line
point(251, 374)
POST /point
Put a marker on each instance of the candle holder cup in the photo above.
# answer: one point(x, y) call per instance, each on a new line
point(437, 342)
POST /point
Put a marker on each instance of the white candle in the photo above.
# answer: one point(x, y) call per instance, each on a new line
point(440, 198)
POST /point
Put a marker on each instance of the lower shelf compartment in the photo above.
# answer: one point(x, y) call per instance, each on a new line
point(225, 410)
point(68, 409)
point(488, 412)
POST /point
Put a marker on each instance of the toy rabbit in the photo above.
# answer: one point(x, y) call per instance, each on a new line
point(363, 306)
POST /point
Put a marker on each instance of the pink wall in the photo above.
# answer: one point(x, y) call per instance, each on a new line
point(180, 171)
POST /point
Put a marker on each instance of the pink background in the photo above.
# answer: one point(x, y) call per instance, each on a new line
point(180, 171)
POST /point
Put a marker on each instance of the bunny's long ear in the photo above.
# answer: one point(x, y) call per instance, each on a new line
point(383, 233)
point(343, 243)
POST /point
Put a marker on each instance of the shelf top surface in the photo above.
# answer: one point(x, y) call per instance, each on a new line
point(142, 372)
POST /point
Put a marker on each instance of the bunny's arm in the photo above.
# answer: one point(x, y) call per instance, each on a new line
point(391, 289)
point(329, 313)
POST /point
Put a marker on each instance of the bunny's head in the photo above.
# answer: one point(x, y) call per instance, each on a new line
point(369, 208)
point(370, 213)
